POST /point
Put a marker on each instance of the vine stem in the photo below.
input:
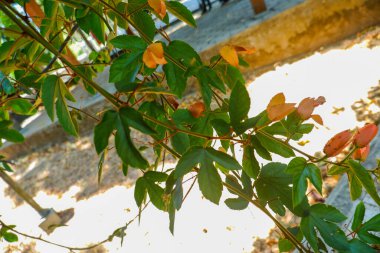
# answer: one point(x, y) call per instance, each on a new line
point(39, 238)
point(286, 233)
point(12, 14)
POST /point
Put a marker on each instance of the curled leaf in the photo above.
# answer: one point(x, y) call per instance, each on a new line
point(277, 109)
point(337, 143)
point(361, 154)
point(306, 107)
point(365, 135)
point(158, 6)
point(244, 50)
point(197, 109)
point(154, 55)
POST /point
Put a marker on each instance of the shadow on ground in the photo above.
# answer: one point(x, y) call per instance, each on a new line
point(55, 169)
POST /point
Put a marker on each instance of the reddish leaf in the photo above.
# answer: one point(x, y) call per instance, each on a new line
point(365, 135)
point(337, 143)
point(306, 107)
point(197, 109)
point(361, 153)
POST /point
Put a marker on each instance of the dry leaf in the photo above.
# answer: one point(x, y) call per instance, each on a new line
point(154, 55)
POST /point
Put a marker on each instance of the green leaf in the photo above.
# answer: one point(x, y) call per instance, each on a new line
point(10, 237)
point(103, 130)
point(368, 229)
point(336, 170)
point(223, 159)
point(181, 12)
point(126, 67)
point(355, 185)
point(301, 171)
point(92, 23)
point(175, 78)
point(261, 151)
point(63, 113)
point(250, 164)
point(358, 216)
point(274, 146)
point(184, 53)
point(129, 42)
point(355, 246)
point(364, 177)
point(49, 92)
point(144, 22)
point(180, 142)
point(324, 218)
point(209, 181)
point(230, 75)
point(134, 119)
point(272, 186)
point(140, 192)
point(11, 135)
point(100, 166)
point(284, 245)
point(125, 147)
point(239, 104)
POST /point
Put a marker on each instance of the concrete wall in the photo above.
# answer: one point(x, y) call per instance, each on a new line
point(302, 29)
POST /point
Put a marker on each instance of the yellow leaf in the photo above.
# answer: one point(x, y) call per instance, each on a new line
point(280, 111)
point(277, 109)
point(230, 55)
point(277, 100)
point(154, 55)
point(317, 118)
point(158, 6)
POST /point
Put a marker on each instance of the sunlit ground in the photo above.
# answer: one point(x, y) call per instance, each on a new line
point(342, 76)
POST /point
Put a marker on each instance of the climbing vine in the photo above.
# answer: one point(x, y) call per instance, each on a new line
point(148, 76)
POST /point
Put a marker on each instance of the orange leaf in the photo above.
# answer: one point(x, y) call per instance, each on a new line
point(197, 109)
point(158, 6)
point(365, 135)
point(361, 153)
point(277, 109)
point(278, 112)
point(317, 118)
point(154, 55)
point(277, 100)
point(337, 143)
point(230, 55)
